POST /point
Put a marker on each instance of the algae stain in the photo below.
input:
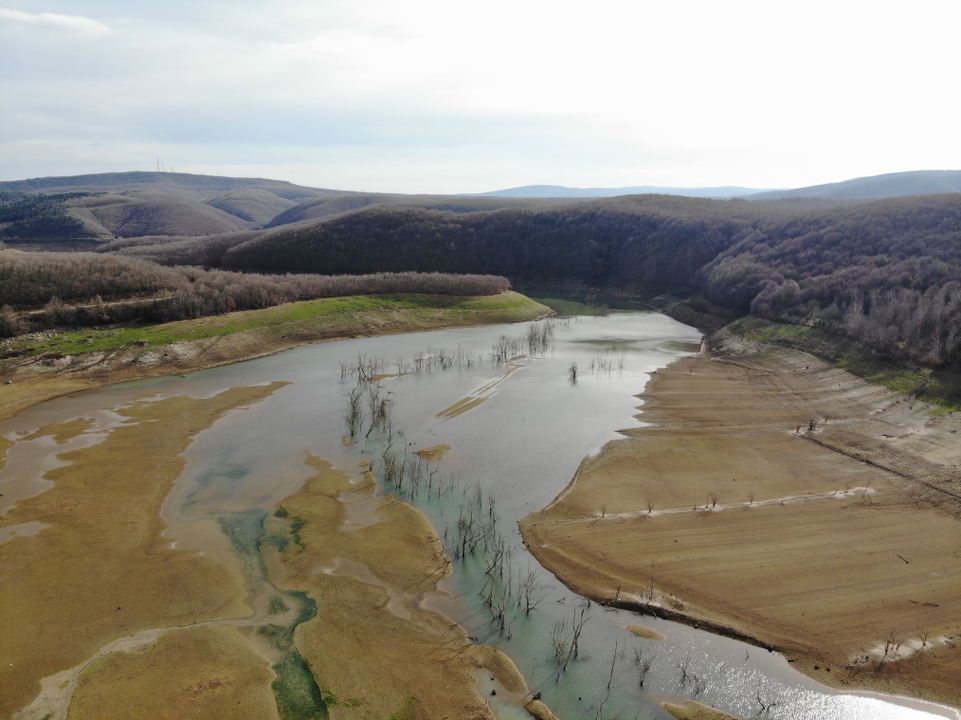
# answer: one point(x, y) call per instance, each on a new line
point(276, 606)
point(407, 710)
point(296, 692)
point(246, 532)
point(282, 531)
point(332, 699)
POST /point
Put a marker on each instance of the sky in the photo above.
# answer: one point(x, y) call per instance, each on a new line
point(448, 97)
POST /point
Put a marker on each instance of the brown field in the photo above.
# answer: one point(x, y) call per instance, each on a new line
point(836, 541)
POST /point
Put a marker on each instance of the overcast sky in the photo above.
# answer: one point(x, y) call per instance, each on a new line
point(445, 96)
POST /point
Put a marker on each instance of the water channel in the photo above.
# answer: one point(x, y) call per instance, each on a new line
point(520, 443)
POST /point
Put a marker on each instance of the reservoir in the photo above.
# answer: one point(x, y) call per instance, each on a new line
point(516, 431)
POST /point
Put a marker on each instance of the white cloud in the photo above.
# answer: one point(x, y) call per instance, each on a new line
point(76, 23)
point(433, 95)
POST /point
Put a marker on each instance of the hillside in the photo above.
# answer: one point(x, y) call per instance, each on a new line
point(255, 205)
point(136, 214)
point(120, 205)
point(921, 182)
point(319, 208)
point(886, 273)
point(198, 187)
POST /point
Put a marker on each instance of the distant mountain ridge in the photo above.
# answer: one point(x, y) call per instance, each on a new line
point(917, 182)
point(198, 187)
point(132, 204)
point(559, 191)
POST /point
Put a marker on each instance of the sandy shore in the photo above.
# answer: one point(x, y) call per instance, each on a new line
point(778, 499)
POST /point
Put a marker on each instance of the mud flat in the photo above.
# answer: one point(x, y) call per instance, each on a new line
point(777, 499)
point(104, 616)
point(100, 570)
point(372, 646)
point(321, 613)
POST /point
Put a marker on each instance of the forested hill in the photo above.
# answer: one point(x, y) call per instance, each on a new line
point(887, 272)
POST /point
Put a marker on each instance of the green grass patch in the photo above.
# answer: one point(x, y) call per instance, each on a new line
point(938, 387)
point(407, 710)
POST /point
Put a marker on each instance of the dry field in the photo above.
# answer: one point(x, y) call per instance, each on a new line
point(778, 499)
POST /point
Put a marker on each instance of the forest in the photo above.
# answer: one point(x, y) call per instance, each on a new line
point(38, 216)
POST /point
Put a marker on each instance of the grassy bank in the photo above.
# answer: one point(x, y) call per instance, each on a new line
point(37, 367)
point(938, 387)
point(506, 307)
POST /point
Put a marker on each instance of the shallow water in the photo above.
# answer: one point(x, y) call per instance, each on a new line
point(522, 445)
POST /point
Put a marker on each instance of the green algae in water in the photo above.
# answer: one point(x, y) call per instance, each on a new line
point(295, 689)
point(246, 532)
point(276, 606)
point(283, 532)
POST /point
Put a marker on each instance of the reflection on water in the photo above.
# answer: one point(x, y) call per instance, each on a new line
point(521, 446)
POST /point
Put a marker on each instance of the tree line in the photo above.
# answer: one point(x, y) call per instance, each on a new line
point(79, 289)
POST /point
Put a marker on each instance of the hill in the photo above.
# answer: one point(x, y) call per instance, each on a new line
point(255, 205)
point(135, 214)
point(198, 187)
point(920, 182)
point(326, 207)
point(559, 191)
point(146, 203)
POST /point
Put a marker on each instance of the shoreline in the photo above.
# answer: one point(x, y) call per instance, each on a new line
point(28, 381)
point(403, 528)
point(641, 527)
